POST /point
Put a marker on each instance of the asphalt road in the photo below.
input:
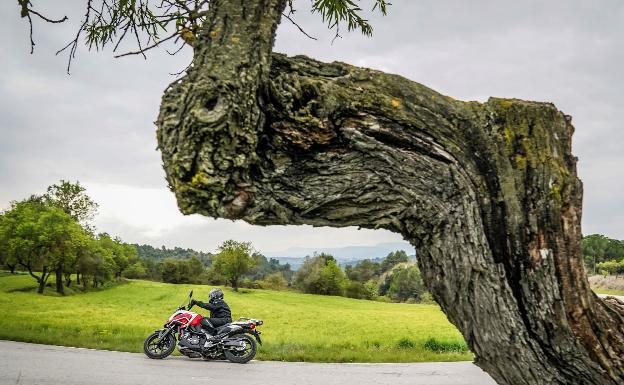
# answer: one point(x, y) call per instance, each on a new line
point(26, 364)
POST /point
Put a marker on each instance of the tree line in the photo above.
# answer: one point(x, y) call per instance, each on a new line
point(603, 255)
point(394, 278)
point(235, 263)
point(50, 234)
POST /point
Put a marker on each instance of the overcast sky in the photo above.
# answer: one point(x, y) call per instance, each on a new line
point(96, 124)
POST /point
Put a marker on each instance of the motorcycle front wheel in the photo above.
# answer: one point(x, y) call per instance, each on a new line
point(155, 348)
point(244, 354)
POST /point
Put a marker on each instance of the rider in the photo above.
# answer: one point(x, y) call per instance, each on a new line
point(220, 313)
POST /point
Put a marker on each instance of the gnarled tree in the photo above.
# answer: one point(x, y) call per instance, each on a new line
point(487, 192)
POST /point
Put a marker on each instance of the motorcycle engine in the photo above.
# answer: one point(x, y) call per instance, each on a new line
point(191, 341)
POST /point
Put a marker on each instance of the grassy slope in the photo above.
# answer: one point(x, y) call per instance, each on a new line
point(298, 327)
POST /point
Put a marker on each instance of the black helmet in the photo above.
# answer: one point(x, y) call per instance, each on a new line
point(215, 293)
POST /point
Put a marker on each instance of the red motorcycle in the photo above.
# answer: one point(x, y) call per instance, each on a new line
point(236, 341)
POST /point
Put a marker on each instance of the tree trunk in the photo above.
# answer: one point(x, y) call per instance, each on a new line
point(487, 192)
point(77, 278)
point(59, 280)
point(234, 284)
point(11, 268)
point(41, 279)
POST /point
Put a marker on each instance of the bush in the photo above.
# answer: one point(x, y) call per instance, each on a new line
point(247, 283)
point(354, 290)
point(406, 283)
point(135, 271)
point(320, 275)
point(233, 261)
point(427, 298)
point(370, 289)
point(611, 267)
point(274, 281)
point(406, 343)
point(445, 346)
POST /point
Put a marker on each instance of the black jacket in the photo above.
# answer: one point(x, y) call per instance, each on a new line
point(218, 308)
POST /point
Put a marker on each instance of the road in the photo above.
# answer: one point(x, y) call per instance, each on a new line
point(29, 364)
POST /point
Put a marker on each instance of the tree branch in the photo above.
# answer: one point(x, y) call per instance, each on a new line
point(142, 51)
point(298, 26)
point(29, 268)
point(74, 43)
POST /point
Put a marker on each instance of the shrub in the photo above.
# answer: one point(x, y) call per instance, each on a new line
point(370, 289)
point(427, 298)
point(445, 346)
point(320, 275)
point(354, 290)
point(274, 281)
point(136, 270)
point(406, 283)
point(406, 343)
point(611, 267)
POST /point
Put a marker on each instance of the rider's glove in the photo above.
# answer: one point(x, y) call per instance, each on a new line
point(193, 302)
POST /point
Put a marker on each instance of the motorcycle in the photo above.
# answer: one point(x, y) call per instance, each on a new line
point(235, 341)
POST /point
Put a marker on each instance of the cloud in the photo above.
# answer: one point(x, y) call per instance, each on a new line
point(150, 215)
point(96, 125)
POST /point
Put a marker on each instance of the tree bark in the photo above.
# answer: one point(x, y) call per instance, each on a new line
point(234, 282)
point(42, 279)
point(487, 192)
point(59, 280)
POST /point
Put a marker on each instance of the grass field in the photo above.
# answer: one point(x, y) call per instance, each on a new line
point(611, 285)
point(298, 327)
point(602, 290)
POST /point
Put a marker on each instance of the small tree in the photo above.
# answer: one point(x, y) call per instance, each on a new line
point(320, 275)
point(19, 233)
point(73, 199)
point(611, 267)
point(40, 238)
point(363, 271)
point(354, 289)
point(233, 261)
point(195, 269)
point(393, 259)
point(274, 281)
point(58, 241)
point(123, 254)
point(371, 290)
point(136, 270)
point(406, 283)
point(170, 271)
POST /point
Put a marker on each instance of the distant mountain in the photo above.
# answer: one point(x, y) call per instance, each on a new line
point(344, 255)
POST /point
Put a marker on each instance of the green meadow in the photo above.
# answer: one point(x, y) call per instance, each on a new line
point(297, 327)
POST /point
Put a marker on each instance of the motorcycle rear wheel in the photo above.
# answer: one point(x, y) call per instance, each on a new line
point(243, 356)
point(156, 349)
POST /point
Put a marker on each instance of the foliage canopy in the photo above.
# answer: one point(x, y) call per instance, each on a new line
point(149, 24)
